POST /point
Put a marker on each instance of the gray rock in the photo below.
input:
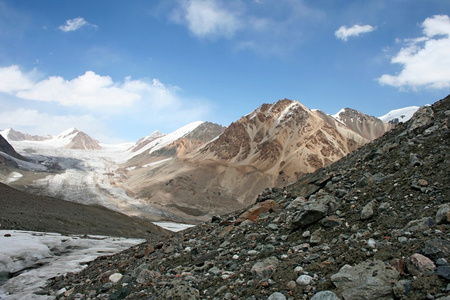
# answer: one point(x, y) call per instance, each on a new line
point(325, 295)
point(367, 280)
point(402, 288)
point(331, 221)
point(415, 160)
point(296, 203)
point(384, 206)
point(121, 293)
point(265, 268)
point(419, 225)
point(309, 216)
point(147, 275)
point(315, 209)
point(421, 118)
point(436, 248)
point(444, 272)
point(368, 210)
point(277, 296)
point(203, 258)
point(443, 214)
point(180, 290)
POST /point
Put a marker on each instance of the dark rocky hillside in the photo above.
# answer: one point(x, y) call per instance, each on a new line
point(374, 225)
point(23, 211)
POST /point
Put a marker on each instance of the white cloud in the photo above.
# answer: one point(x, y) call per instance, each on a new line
point(208, 18)
point(93, 103)
point(35, 122)
point(13, 80)
point(75, 24)
point(344, 33)
point(89, 91)
point(425, 60)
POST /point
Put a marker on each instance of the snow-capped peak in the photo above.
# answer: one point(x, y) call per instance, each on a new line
point(337, 116)
point(399, 115)
point(66, 133)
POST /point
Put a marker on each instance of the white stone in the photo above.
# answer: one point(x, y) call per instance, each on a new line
point(303, 280)
point(115, 277)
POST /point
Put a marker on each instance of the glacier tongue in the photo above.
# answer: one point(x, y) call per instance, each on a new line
point(33, 257)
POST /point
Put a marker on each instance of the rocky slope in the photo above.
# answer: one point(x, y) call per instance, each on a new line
point(272, 146)
point(374, 225)
point(23, 211)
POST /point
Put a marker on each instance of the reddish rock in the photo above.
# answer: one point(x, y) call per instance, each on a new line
point(420, 265)
point(398, 265)
point(253, 213)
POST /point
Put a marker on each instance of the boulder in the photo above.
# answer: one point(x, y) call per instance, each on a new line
point(367, 280)
point(419, 265)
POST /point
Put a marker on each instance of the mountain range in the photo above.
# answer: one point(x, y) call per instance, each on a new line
point(373, 225)
point(197, 171)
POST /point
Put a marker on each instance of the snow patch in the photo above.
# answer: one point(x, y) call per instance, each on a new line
point(156, 163)
point(173, 226)
point(13, 176)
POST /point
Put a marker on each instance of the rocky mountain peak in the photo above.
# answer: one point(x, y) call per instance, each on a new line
point(81, 140)
point(277, 136)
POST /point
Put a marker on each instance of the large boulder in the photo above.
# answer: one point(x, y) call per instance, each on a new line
point(367, 280)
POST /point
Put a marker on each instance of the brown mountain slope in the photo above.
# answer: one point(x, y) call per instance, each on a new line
point(367, 126)
point(20, 210)
point(80, 140)
point(270, 147)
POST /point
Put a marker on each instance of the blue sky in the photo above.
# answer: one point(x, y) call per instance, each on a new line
point(119, 70)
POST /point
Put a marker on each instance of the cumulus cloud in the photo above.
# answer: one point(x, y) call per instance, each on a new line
point(425, 60)
point(208, 18)
point(344, 33)
point(12, 79)
point(90, 90)
point(93, 103)
point(75, 24)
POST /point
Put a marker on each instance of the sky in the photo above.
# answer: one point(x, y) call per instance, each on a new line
point(119, 70)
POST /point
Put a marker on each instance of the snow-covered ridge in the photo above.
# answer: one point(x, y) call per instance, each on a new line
point(401, 114)
point(169, 138)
